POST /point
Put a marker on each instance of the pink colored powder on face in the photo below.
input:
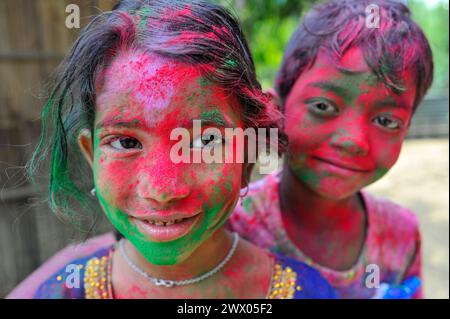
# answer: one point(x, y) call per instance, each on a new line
point(350, 137)
point(143, 99)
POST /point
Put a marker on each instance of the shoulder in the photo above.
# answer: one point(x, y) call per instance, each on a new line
point(394, 233)
point(390, 218)
point(255, 217)
point(261, 199)
point(294, 279)
point(51, 268)
point(68, 282)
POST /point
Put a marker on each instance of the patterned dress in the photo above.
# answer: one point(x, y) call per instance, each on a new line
point(392, 244)
point(290, 280)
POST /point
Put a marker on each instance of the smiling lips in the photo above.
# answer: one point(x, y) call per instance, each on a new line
point(165, 223)
point(342, 166)
point(161, 228)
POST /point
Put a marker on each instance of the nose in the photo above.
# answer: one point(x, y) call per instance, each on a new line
point(162, 183)
point(352, 138)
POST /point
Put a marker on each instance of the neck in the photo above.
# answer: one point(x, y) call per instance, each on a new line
point(207, 256)
point(308, 210)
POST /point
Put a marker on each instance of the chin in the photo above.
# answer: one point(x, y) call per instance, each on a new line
point(162, 254)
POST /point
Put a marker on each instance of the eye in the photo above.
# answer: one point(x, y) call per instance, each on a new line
point(323, 108)
point(207, 140)
point(125, 143)
point(388, 123)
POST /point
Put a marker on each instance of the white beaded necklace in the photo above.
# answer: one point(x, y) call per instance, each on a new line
point(171, 283)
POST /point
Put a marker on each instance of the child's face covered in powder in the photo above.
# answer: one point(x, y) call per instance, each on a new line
point(345, 127)
point(166, 210)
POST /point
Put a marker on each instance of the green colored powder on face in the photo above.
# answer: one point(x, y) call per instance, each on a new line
point(204, 82)
point(203, 91)
point(348, 143)
point(354, 86)
point(216, 200)
point(380, 173)
point(213, 115)
point(165, 253)
point(162, 253)
point(308, 177)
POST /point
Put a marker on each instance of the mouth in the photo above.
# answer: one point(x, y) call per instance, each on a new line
point(166, 223)
point(342, 166)
point(160, 228)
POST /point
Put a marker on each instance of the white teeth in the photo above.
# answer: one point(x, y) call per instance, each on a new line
point(168, 223)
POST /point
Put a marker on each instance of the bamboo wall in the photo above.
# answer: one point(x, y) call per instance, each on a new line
point(34, 39)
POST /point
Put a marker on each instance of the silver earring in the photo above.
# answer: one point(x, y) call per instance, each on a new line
point(242, 195)
point(93, 191)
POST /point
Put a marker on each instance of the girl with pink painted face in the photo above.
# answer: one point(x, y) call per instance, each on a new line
point(134, 76)
point(348, 90)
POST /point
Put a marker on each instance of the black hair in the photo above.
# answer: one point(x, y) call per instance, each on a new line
point(396, 45)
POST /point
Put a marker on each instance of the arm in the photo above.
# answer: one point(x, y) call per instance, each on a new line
point(411, 285)
point(415, 267)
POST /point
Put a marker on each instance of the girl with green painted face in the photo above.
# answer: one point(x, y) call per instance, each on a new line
point(134, 76)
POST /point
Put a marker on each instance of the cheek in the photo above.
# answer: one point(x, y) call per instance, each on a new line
point(385, 151)
point(113, 179)
point(217, 183)
point(305, 132)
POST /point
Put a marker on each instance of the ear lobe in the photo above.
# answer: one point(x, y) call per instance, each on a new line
point(86, 146)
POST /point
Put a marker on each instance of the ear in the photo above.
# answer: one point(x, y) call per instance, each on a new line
point(274, 97)
point(246, 174)
point(86, 146)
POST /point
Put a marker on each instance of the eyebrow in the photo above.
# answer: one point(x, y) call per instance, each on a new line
point(213, 118)
point(390, 101)
point(339, 90)
point(118, 123)
point(348, 71)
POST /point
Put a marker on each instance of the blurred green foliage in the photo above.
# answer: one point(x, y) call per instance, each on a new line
point(434, 21)
point(268, 25)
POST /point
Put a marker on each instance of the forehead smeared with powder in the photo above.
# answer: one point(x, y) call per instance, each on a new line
point(141, 77)
point(154, 90)
point(139, 83)
point(351, 77)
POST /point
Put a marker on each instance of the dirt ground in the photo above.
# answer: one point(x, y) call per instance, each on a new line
point(419, 181)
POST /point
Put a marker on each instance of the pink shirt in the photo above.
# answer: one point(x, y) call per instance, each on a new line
point(392, 239)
